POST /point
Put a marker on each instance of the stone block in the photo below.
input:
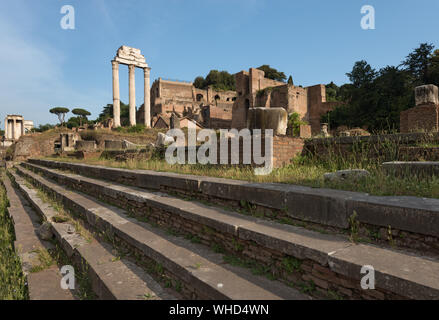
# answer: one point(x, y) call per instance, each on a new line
point(85, 145)
point(427, 94)
point(305, 131)
point(408, 276)
point(113, 144)
point(325, 206)
point(268, 118)
point(412, 168)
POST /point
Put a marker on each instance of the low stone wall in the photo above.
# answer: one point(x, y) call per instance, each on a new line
point(419, 153)
point(384, 147)
point(128, 154)
point(412, 221)
point(425, 169)
point(422, 117)
point(85, 145)
point(284, 150)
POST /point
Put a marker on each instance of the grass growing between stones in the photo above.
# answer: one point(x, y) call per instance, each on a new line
point(304, 171)
point(12, 280)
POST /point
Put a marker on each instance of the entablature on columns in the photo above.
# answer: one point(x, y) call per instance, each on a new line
point(130, 56)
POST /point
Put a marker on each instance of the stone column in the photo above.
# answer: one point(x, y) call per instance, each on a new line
point(116, 94)
point(147, 98)
point(10, 129)
point(6, 128)
point(14, 124)
point(132, 94)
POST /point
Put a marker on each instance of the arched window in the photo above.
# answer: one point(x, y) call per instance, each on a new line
point(200, 97)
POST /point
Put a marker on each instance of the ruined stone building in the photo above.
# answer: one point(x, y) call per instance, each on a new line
point(425, 115)
point(210, 108)
point(254, 90)
point(183, 99)
point(229, 109)
point(15, 127)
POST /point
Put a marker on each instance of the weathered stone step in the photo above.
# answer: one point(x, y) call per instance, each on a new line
point(44, 284)
point(112, 277)
point(196, 266)
point(323, 206)
point(296, 241)
point(413, 277)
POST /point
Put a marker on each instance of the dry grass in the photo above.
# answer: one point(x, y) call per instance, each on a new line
point(301, 171)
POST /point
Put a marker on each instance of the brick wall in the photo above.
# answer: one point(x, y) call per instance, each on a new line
point(219, 118)
point(386, 147)
point(420, 118)
point(284, 149)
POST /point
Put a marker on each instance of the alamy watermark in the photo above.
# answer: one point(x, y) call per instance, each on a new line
point(68, 20)
point(68, 279)
point(368, 281)
point(205, 147)
point(368, 19)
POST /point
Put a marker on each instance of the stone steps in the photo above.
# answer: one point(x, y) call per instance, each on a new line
point(398, 273)
point(111, 277)
point(44, 284)
point(414, 221)
point(201, 272)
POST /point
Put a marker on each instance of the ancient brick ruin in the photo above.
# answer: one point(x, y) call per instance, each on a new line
point(216, 109)
point(254, 90)
point(425, 115)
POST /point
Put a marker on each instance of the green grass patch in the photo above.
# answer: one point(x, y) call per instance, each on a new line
point(12, 280)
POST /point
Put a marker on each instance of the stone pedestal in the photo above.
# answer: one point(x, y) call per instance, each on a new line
point(268, 118)
point(427, 94)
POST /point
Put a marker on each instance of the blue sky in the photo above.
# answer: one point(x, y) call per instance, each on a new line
point(316, 41)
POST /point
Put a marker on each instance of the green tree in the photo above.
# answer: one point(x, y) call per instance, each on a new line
point(107, 112)
point(60, 112)
point(295, 122)
point(74, 122)
point(199, 82)
point(332, 92)
point(362, 74)
point(290, 80)
point(82, 114)
point(218, 80)
point(272, 73)
point(433, 72)
point(418, 63)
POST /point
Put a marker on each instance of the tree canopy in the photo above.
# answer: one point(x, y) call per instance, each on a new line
point(219, 80)
point(374, 99)
point(107, 112)
point(82, 114)
point(272, 73)
point(60, 112)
